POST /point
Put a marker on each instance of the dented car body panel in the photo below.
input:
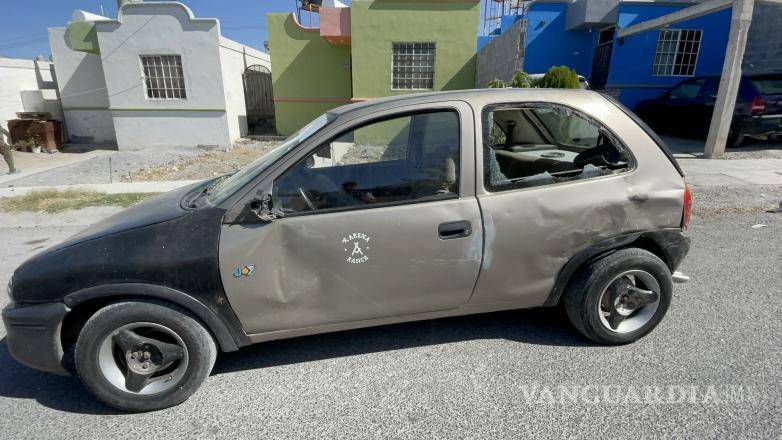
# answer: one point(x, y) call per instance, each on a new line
point(532, 233)
point(259, 261)
point(350, 266)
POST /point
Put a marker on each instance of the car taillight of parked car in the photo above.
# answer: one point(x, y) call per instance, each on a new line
point(758, 106)
point(687, 211)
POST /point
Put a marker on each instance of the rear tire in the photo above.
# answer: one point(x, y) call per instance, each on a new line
point(598, 297)
point(105, 367)
point(735, 139)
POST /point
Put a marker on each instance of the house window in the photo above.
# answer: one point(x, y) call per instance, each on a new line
point(413, 66)
point(677, 52)
point(163, 76)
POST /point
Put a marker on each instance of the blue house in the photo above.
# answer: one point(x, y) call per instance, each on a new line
point(581, 34)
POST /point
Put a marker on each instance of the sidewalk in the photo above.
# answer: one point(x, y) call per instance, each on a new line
point(34, 163)
point(720, 172)
point(107, 188)
point(699, 173)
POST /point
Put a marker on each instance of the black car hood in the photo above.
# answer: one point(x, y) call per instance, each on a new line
point(157, 209)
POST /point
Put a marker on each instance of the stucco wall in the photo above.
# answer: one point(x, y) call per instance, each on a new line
point(764, 43)
point(82, 91)
point(631, 76)
point(163, 29)
point(26, 85)
point(309, 76)
point(377, 24)
point(233, 58)
point(548, 44)
point(502, 56)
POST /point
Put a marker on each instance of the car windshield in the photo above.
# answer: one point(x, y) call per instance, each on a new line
point(228, 186)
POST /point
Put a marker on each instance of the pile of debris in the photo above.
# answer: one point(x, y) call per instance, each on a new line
point(35, 132)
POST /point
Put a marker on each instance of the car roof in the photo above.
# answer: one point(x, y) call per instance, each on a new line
point(473, 95)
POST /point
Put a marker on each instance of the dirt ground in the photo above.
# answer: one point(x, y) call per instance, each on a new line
point(209, 164)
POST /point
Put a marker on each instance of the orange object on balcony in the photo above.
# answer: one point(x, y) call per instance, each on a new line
point(335, 25)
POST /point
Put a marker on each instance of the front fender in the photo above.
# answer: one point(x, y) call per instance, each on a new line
point(228, 337)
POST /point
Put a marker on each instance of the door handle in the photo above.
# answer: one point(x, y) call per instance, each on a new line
point(458, 229)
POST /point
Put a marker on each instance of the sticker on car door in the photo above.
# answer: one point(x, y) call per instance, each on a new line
point(356, 246)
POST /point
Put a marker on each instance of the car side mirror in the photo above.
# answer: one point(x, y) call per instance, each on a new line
point(262, 206)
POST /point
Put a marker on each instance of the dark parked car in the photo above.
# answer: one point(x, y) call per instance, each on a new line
point(686, 109)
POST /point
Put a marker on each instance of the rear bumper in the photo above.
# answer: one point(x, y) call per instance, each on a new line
point(674, 244)
point(33, 335)
point(761, 125)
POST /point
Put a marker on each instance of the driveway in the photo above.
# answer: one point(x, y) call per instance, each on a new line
point(510, 374)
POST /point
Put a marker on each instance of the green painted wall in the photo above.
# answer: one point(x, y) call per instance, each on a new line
point(83, 37)
point(304, 66)
point(376, 24)
point(307, 68)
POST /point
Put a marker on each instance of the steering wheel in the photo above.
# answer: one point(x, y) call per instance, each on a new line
point(307, 199)
point(595, 155)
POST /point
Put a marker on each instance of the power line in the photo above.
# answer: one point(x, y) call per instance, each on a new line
point(22, 38)
point(23, 43)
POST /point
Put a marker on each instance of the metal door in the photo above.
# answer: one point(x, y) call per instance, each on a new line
point(258, 99)
point(601, 60)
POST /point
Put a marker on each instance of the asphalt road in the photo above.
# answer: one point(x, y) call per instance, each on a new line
point(715, 361)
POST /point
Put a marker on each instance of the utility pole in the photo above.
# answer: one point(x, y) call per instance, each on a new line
point(730, 80)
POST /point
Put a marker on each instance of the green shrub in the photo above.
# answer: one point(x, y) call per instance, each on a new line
point(497, 84)
point(561, 77)
point(521, 80)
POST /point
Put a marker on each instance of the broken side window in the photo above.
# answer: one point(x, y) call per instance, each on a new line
point(543, 144)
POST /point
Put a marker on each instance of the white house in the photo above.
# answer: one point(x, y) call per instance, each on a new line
point(155, 76)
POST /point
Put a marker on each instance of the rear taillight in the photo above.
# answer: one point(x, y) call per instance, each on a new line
point(758, 106)
point(687, 211)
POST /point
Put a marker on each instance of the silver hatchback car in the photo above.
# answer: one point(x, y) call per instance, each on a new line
point(400, 209)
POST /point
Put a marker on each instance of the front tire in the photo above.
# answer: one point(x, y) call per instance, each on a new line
point(621, 297)
point(143, 355)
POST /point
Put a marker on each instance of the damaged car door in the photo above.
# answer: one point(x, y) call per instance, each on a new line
point(555, 181)
point(378, 220)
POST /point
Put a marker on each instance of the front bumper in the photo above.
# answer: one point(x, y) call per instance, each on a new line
point(33, 335)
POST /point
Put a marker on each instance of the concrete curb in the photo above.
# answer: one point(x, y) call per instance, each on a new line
point(720, 172)
point(107, 188)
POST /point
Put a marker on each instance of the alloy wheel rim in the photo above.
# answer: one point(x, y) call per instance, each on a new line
point(143, 358)
point(629, 301)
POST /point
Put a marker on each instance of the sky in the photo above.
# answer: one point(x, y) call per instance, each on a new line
point(23, 23)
